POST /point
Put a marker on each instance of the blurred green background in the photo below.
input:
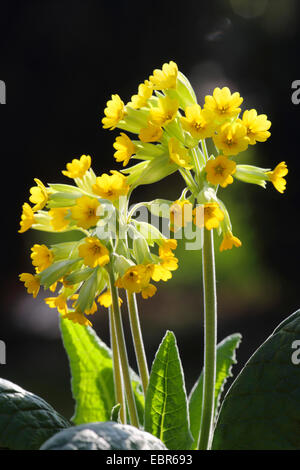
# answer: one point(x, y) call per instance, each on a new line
point(61, 61)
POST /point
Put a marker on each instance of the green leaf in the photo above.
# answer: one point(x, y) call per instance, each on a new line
point(261, 410)
point(166, 411)
point(26, 420)
point(88, 291)
point(92, 374)
point(225, 359)
point(103, 436)
point(115, 413)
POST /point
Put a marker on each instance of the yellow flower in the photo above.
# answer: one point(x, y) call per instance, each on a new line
point(125, 148)
point(151, 133)
point(59, 302)
point(135, 278)
point(77, 317)
point(144, 93)
point(180, 214)
point(232, 138)
point(229, 241)
point(41, 257)
point(148, 291)
point(169, 262)
point(39, 195)
point(114, 112)
point(111, 186)
point(257, 126)
point(165, 78)
point(223, 104)
point(165, 112)
point(208, 215)
point(167, 247)
point(160, 273)
point(93, 252)
point(179, 154)
point(198, 122)
point(85, 212)
point(32, 283)
point(27, 218)
point(105, 299)
point(276, 176)
point(78, 168)
point(58, 218)
point(219, 171)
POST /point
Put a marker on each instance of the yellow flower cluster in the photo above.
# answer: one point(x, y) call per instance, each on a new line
point(173, 129)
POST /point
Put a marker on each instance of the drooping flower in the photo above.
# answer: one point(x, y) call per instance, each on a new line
point(135, 279)
point(180, 214)
point(105, 299)
point(276, 176)
point(165, 112)
point(111, 186)
point(223, 104)
point(77, 317)
point(145, 91)
point(151, 133)
point(93, 252)
point(27, 218)
point(41, 257)
point(78, 168)
point(31, 282)
point(231, 138)
point(85, 212)
point(179, 154)
point(219, 171)
point(167, 247)
point(148, 291)
point(257, 126)
point(198, 122)
point(229, 240)
point(165, 78)
point(208, 215)
point(59, 302)
point(125, 148)
point(39, 195)
point(58, 218)
point(114, 112)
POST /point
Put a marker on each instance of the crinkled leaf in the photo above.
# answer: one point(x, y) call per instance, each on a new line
point(225, 359)
point(166, 410)
point(92, 374)
point(261, 410)
point(103, 436)
point(26, 420)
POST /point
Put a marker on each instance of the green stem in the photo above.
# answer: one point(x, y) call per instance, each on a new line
point(210, 326)
point(119, 386)
point(138, 340)
point(122, 349)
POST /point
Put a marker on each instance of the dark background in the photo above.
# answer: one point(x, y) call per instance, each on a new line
point(61, 61)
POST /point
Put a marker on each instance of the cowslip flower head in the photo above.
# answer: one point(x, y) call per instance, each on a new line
point(39, 195)
point(165, 111)
point(219, 171)
point(165, 78)
point(145, 91)
point(257, 126)
point(93, 252)
point(223, 104)
point(231, 138)
point(85, 212)
point(114, 112)
point(198, 122)
point(41, 257)
point(27, 218)
point(208, 215)
point(125, 148)
point(78, 168)
point(135, 279)
point(31, 282)
point(277, 176)
point(112, 186)
point(229, 240)
point(179, 154)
